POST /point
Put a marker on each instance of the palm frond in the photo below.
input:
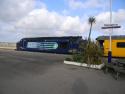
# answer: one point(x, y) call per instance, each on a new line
point(91, 20)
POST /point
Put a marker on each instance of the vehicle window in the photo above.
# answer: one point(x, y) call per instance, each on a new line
point(121, 44)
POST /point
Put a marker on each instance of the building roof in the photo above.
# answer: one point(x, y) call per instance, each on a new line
point(113, 37)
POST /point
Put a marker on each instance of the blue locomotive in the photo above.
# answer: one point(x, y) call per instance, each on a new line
point(61, 45)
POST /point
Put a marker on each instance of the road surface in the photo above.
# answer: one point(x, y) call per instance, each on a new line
point(44, 73)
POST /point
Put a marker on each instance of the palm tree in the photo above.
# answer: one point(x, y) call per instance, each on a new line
point(91, 20)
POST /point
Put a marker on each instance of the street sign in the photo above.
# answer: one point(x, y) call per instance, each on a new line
point(108, 27)
point(110, 24)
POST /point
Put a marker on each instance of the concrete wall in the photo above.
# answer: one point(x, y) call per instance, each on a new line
point(7, 45)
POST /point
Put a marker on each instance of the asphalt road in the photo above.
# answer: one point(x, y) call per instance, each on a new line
point(42, 73)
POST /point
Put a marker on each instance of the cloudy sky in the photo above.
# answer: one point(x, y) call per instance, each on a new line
point(38, 18)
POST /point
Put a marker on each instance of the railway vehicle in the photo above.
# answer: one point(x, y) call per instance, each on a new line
point(117, 45)
point(61, 45)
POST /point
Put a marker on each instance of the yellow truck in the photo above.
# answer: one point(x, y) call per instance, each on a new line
point(118, 45)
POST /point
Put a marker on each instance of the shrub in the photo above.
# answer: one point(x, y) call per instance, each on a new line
point(91, 54)
point(77, 57)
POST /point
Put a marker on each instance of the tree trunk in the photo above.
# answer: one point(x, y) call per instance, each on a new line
point(90, 32)
point(88, 45)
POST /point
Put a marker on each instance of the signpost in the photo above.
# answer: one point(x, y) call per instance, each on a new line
point(110, 26)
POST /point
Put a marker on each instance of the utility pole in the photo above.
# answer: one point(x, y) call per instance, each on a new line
point(110, 43)
point(110, 27)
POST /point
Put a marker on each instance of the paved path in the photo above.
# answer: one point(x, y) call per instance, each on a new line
point(41, 73)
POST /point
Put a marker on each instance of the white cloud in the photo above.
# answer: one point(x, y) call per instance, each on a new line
point(31, 22)
point(117, 18)
point(41, 22)
point(11, 10)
